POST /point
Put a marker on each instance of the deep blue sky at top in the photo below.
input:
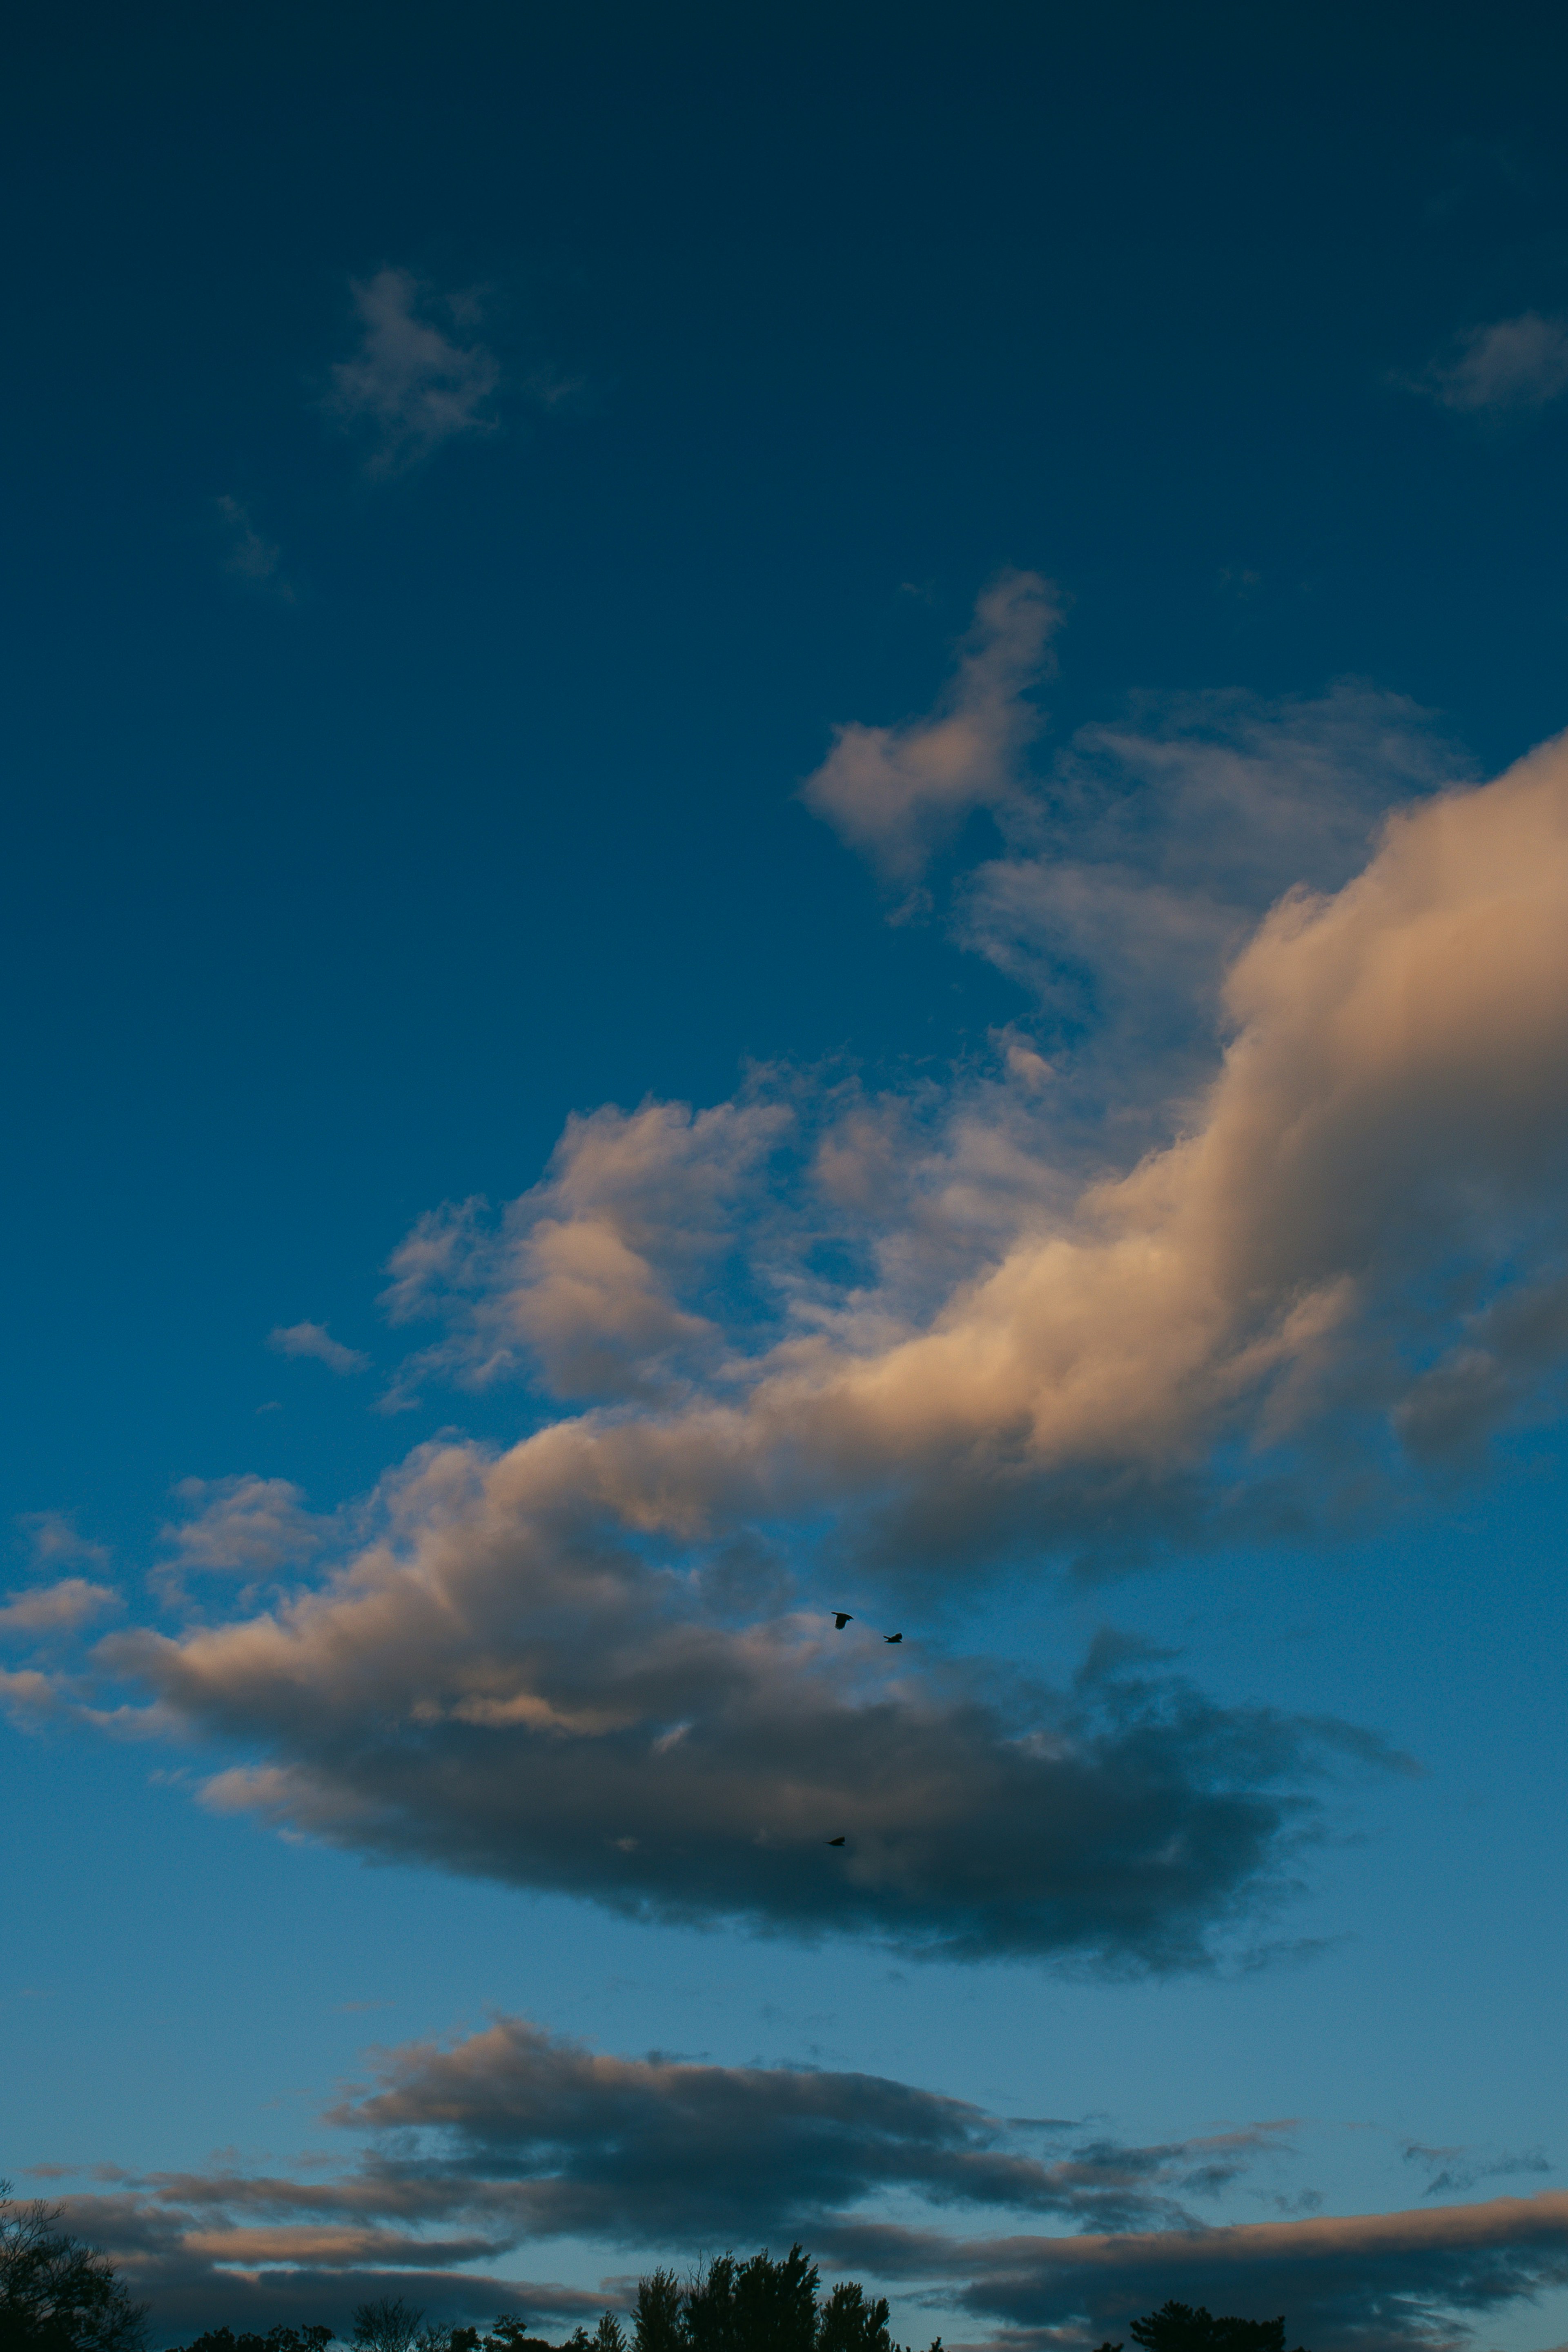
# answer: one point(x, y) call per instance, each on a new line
point(318, 913)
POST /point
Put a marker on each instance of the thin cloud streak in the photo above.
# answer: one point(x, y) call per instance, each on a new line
point(650, 2150)
point(1391, 1102)
point(1364, 2283)
point(315, 1340)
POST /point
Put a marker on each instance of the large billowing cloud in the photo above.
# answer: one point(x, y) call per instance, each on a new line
point(590, 1664)
point(511, 2137)
point(1390, 1099)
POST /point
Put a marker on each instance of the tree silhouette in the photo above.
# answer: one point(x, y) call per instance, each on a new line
point(606, 2338)
point(57, 2295)
point(1181, 2328)
point(847, 2322)
point(756, 2307)
point(276, 2340)
point(760, 2305)
point(659, 2326)
point(387, 2325)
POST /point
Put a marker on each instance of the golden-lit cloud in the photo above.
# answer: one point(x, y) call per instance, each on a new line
point(896, 793)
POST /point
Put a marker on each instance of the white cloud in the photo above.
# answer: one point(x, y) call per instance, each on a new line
point(1515, 363)
point(315, 1339)
point(409, 385)
point(896, 793)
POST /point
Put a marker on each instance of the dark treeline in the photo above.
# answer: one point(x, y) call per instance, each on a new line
point(58, 2294)
point(759, 2305)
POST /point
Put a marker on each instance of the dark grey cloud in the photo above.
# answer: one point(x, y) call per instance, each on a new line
point(529, 1703)
point(513, 2134)
point(1366, 2283)
point(1455, 2169)
point(667, 2149)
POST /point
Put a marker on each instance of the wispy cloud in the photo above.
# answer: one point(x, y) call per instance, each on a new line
point(43, 1614)
point(315, 1339)
point(53, 1539)
point(580, 1277)
point(1514, 364)
point(896, 793)
point(1149, 851)
point(245, 1525)
point(410, 386)
point(56, 1607)
point(1455, 2169)
point(247, 556)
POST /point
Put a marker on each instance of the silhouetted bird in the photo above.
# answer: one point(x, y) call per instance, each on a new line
point(841, 1618)
point(892, 1637)
point(833, 1841)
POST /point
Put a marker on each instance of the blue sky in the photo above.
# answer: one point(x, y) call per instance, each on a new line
point(701, 928)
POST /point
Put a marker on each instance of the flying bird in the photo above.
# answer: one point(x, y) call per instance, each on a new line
point(892, 1637)
point(833, 1841)
point(841, 1618)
